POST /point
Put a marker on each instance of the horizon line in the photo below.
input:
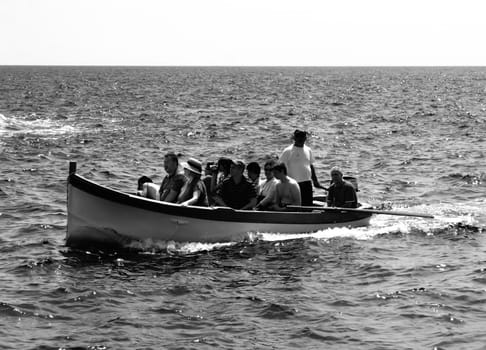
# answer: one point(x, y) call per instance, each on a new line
point(242, 66)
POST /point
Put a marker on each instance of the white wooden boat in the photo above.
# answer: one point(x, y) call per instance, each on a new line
point(100, 215)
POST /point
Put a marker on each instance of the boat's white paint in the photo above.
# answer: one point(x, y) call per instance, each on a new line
point(92, 218)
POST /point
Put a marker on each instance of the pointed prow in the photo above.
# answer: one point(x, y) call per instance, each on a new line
point(72, 168)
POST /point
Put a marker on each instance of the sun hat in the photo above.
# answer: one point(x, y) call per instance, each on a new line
point(194, 165)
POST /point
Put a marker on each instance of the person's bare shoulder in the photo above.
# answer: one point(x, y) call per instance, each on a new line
point(293, 182)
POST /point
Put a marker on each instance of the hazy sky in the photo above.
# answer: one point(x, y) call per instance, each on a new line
point(243, 32)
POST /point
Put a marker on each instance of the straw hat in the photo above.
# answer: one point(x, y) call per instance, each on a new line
point(194, 165)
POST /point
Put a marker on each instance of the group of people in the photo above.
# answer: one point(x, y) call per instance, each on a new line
point(288, 182)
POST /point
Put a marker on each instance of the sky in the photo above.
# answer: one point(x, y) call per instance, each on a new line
point(243, 32)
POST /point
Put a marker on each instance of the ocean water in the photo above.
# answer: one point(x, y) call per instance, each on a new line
point(414, 137)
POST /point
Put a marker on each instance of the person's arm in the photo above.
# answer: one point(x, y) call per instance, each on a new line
point(277, 198)
point(218, 199)
point(350, 198)
point(151, 190)
point(330, 196)
point(315, 181)
point(214, 183)
point(175, 189)
point(268, 198)
point(250, 205)
point(251, 197)
point(193, 200)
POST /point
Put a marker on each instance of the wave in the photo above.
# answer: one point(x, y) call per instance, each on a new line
point(27, 310)
point(33, 125)
point(469, 179)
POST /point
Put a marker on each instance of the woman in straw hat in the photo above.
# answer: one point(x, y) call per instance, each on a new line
point(194, 191)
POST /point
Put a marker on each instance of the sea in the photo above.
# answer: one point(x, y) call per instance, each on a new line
point(414, 137)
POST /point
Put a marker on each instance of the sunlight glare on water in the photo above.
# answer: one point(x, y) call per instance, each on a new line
point(414, 138)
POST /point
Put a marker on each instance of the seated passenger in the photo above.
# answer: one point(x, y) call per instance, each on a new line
point(266, 196)
point(236, 191)
point(253, 171)
point(207, 178)
point(194, 191)
point(287, 191)
point(341, 193)
point(141, 181)
point(220, 172)
point(173, 182)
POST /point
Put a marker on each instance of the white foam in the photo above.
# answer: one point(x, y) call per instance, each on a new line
point(33, 126)
point(149, 246)
point(3, 122)
point(445, 215)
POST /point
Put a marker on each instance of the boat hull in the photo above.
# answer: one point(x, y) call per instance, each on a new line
point(99, 215)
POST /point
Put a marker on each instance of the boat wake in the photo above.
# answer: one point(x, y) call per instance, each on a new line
point(448, 218)
point(155, 247)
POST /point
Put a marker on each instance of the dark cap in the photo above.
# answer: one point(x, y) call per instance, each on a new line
point(300, 134)
point(239, 164)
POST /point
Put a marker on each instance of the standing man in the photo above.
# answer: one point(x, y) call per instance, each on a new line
point(299, 161)
point(341, 193)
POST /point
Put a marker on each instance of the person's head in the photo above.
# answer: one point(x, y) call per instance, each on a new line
point(142, 180)
point(237, 168)
point(171, 163)
point(193, 169)
point(224, 165)
point(268, 168)
point(279, 171)
point(299, 137)
point(253, 170)
point(211, 168)
point(336, 175)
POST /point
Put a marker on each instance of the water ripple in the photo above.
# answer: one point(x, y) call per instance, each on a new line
point(414, 138)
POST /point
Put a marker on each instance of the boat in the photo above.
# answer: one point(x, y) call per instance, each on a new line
point(98, 215)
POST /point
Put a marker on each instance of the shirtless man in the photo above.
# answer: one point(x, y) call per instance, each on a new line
point(287, 191)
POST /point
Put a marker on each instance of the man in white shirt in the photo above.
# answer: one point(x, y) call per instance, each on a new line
point(299, 161)
point(267, 188)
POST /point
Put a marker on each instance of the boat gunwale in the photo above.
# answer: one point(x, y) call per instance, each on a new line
point(220, 214)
